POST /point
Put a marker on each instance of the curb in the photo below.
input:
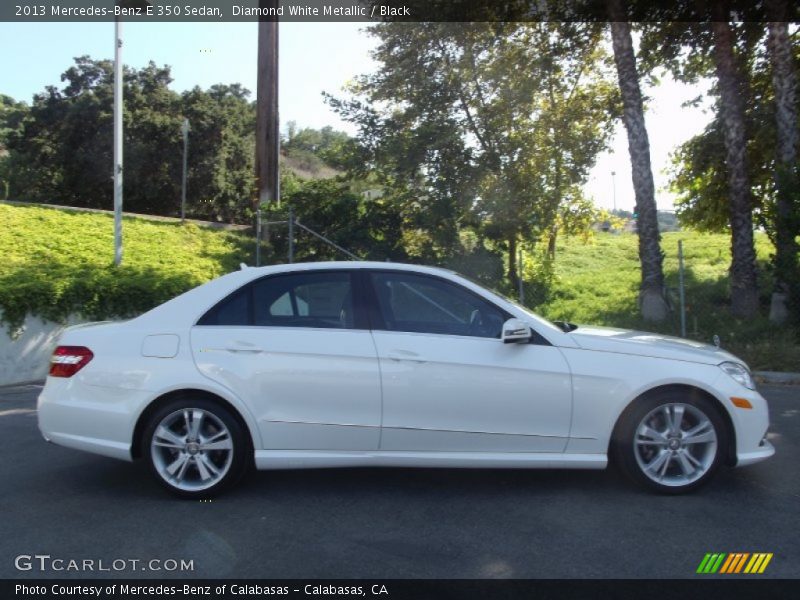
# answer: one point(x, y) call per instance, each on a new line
point(22, 383)
point(777, 378)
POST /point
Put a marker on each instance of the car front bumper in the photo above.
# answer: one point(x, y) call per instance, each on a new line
point(764, 451)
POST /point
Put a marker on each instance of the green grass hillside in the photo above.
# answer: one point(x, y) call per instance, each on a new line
point(59, 262)
point(597, 283)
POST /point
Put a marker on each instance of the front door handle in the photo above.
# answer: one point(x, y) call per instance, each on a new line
point(399, 355)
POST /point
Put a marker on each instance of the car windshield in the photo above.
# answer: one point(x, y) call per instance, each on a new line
point(529, 313)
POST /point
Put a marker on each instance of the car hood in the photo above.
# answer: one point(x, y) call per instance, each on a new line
point(641, 343)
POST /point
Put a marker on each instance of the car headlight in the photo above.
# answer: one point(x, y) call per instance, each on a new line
point(739, 373)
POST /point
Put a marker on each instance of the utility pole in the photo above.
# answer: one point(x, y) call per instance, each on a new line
point(267, 119)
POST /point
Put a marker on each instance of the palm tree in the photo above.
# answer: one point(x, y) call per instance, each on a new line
point(651, 291)
point(744, 283)
point(784, 82)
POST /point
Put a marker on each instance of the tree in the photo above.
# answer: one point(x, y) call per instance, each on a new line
point(64, 146)
point(716, 49)
point(221, 179)
point(61, 148)
point(699, 174)
point(784, 83)
point(327, 144)
point(12, 115)
point(153, 147)
point(366, 227)
point(316, 152)
point(744, 283)
point(482, 127)
point(651, 291)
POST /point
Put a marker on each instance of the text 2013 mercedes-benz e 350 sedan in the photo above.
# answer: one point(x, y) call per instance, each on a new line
point(380, 364)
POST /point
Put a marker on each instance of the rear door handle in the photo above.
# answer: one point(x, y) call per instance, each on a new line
point(243, 347)
point(399, 355)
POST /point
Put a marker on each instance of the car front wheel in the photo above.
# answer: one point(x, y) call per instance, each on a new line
point(195, 447)
point(670, 443)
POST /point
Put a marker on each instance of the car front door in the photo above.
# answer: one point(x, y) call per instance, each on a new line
point(450, 384)
point(297, 349)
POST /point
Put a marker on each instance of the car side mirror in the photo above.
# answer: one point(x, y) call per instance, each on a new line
point(515, 331)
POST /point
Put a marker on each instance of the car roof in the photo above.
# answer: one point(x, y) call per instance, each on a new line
point(184, 310)
point(187, 307)
point(348, 264)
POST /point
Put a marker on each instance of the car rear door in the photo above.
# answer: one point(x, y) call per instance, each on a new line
point(295, 347)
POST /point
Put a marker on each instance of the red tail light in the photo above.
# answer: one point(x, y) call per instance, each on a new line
point(68, 360)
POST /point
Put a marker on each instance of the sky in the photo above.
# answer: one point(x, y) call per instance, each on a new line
point(314, 57)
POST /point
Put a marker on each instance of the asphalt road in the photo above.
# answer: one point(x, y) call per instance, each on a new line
point(400, 523)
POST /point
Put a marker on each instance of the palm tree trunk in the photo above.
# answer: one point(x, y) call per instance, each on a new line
point(784, 83)
point(651, 292)
point(744, 283)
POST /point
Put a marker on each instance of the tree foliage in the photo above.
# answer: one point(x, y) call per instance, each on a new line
point(698, 172)
point(723, 51)
point(366, 227)
point(61, 151)
point(221, 152)
point(481, 127)
point(12, 114)
point(324, 146)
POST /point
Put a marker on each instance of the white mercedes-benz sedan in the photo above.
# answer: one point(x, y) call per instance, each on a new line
point(380, 364)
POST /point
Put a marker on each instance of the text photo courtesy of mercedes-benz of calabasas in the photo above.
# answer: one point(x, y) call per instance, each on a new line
point(379, 364)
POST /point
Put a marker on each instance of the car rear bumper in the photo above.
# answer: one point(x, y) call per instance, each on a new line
point(93, 419)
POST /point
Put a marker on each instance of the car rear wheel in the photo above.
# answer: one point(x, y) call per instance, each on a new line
point(671, 443)
point(195, 447)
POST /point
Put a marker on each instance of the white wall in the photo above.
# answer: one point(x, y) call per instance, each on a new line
point(27, 358)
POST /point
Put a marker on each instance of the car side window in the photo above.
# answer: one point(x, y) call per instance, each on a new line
point(233, 310)
point(304, 300)
point(424, 304)
point(315, 299)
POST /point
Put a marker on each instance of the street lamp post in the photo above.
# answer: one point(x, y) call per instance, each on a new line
point(614, 190)
point(118, 106)
point(185, 131)
point(117, 142)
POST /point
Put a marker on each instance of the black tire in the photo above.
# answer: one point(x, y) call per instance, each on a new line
point(222, 444)
point(644, 455)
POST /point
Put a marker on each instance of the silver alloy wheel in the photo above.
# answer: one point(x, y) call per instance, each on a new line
point(675, 444)
point(192, 449)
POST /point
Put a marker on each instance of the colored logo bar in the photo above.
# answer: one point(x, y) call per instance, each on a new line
point(734, 562)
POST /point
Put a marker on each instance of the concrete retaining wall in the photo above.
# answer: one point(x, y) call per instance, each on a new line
point(27, 357)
